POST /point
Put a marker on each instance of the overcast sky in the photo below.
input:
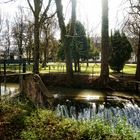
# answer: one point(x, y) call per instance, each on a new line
point(88, 12)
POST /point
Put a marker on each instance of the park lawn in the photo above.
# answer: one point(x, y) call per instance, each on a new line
point(129, 69)
point(93, 68)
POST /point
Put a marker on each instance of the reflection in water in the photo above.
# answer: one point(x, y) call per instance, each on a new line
point(88, 97)
point(9, 88)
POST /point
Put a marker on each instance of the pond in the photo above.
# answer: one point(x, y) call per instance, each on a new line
point(9, 88)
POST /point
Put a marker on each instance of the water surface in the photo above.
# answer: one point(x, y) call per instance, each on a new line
point(83, 104)
point(9, 88)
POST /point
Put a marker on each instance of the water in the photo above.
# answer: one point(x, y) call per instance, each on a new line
point(89, 104)
point(9, 88)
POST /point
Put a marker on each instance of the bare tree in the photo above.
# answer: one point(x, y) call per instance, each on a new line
point(133, 28)
point(48, 28)
point(29, 37)
point(18, 30)
point(7, 38)
point(104, 74)
point(1, 21)
point(39, 18)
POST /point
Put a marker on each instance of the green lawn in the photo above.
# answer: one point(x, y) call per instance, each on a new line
point(93, 68)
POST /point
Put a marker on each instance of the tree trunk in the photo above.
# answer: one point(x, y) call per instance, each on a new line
point(30, 51)
point(104, 74)
point(87, 63)
point(75, 65)
point(137, 75)
point(20, 41)
point(68, 58)
point(65, 39)
point(36, 46)
point(45, 50)
point(78, 62)
point(78, 65)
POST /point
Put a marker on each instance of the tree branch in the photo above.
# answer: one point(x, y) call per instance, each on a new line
point(46, 17)
point(31, 7)
point(45, 11)
point(4, 2)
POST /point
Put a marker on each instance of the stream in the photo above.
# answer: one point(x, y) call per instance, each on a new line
point(85, 104)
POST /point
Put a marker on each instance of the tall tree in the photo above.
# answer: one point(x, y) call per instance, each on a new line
point(29, 40)
point(104, 74)
point(1, 21)
point(48, 30)
point(79, 44)
point(133, 27)
point(66, 39)
point(7, 37)
point(18, 30)
point(39, 18)
point(1, 26)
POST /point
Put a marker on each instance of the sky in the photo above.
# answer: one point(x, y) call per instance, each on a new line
point(88, 12)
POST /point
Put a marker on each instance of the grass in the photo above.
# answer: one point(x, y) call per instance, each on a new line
point(93, 68)
point(129, 69)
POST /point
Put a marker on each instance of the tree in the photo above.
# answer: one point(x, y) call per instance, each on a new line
point(104, 74)
point(79, 45)
point(48, 30)
point(18, 31)
point(120, 51)
point(66, 39)
point(1, 22)
point(1, 27)
point(39, 18)
point(133, 27)
point(8, 37)
point(93, 52)
point(29, 45)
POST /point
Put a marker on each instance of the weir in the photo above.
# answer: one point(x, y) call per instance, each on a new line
point(111, 110)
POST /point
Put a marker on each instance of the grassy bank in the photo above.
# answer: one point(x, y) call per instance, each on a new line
point(20, 120)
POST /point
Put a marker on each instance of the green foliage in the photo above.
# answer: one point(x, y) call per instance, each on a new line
point(60, 53)
point(25, 122)
point(120, 51)
point(44, 124)
point(93, 52)
point(11, 119)
point(79, 44)
point(124, 130)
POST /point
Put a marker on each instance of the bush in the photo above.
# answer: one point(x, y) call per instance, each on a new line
point(120, 51)
point(44, 124)
point(17, 121)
